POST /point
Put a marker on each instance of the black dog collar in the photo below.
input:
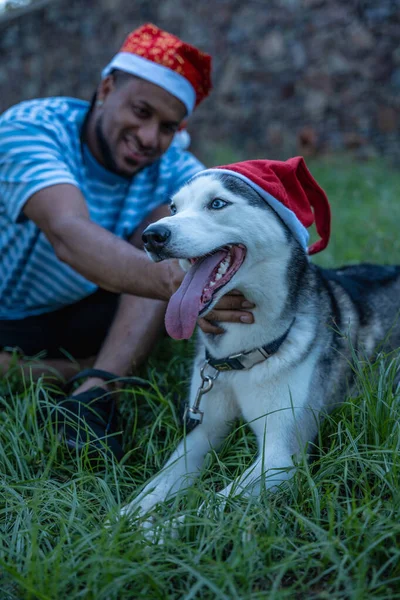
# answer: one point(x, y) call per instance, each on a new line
point(246, 360)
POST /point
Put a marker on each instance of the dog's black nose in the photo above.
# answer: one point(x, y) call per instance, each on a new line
point(155, 237)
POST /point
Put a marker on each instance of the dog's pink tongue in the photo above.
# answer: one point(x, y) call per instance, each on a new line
point(185, 305)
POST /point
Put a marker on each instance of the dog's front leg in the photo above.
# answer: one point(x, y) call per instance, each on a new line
point(281, 433)
point(262, 474)
point(180, 470)
point(185, 462)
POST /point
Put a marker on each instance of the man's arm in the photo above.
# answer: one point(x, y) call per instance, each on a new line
point(61, 213)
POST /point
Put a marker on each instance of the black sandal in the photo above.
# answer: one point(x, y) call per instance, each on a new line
point(88, 421)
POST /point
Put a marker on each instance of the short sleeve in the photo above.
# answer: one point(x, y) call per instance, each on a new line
point(31, 159)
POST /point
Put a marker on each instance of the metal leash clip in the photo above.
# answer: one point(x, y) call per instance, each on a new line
point(193, 412)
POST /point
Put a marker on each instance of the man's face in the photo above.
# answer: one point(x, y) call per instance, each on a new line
point(135, 124)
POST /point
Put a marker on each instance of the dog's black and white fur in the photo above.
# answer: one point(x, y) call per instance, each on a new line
point(322, 312)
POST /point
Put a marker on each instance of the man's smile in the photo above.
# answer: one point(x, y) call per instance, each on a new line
point(134, 153)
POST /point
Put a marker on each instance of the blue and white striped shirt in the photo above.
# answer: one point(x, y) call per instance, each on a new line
point(40, 146)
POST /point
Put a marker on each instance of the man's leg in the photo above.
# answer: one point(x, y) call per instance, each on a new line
point(135, 328)
point(128, 327)
point(102, 331)
point(50, 368)
point(60, 343)
point(133, 333)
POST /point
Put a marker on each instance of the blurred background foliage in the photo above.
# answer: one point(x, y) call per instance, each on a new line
point(310, 77)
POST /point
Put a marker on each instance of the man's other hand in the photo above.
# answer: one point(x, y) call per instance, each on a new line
point(228, 310)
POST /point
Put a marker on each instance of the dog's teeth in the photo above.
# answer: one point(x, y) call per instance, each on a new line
point(223, 267)
point(218, 276)
point(212, 283)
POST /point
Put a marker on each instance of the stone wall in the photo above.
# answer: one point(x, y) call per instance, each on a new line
point(290, 76)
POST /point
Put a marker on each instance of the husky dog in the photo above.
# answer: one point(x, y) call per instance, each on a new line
point(291, 366)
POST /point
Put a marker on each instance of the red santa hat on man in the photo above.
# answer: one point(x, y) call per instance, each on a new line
point(165, 60)
point(290, 189)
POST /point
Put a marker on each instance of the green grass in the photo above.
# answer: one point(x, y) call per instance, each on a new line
point(333, 532)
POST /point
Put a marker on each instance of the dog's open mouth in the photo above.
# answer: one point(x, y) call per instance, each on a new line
point(207, 275)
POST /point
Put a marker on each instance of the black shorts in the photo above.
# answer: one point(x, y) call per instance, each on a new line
point(77, 330)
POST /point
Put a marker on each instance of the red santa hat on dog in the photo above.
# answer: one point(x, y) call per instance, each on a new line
point(165, 60)
point(290, 189)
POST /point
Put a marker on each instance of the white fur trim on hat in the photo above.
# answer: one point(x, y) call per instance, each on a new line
point(288, 216)
point(166, 78)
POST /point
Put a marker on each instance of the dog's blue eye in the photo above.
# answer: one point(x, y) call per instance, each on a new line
point(172, 208)
point(217, 203)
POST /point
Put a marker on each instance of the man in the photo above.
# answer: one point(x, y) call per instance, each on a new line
point(78, 184)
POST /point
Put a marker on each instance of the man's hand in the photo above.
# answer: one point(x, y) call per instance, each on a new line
point(228, 310)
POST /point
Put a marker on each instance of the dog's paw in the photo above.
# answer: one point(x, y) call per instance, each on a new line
point(151, 525)
point(163, 530)
point(214, 509)
point(128, 514)
point(129, 511)
point(139, 507)
point(158, 531)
